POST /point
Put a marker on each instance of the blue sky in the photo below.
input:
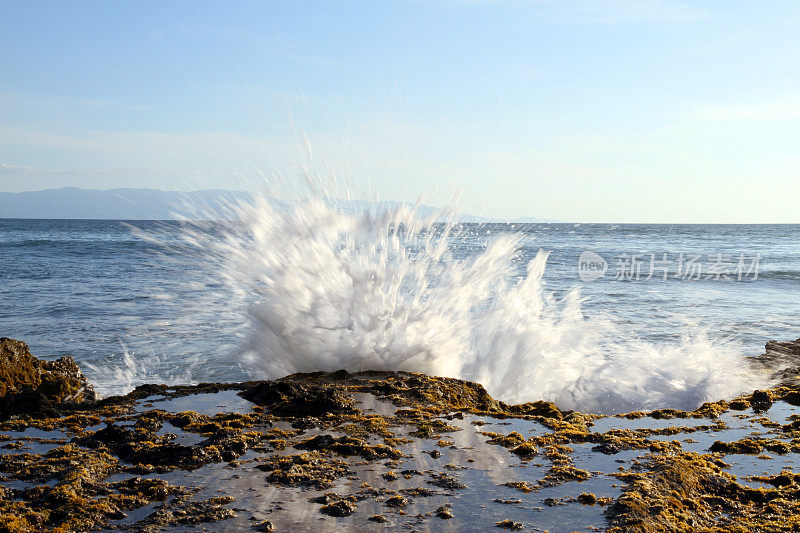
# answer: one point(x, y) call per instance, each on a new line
point(619, 111)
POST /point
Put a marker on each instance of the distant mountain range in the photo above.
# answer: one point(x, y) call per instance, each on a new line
point(145, 204)
point(114, 204)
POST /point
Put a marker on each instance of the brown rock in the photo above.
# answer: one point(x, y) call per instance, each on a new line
point(783, 348)
point(266, 525)
point(510, 524)
point(28, 384)
point(294, 399)
point(444, 512)
point(340, 508)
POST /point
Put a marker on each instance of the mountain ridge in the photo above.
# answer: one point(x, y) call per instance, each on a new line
point(128, 203)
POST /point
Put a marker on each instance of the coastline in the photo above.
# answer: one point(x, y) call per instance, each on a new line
point(384, 450)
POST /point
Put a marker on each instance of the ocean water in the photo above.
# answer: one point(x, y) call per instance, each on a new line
point(177, 302)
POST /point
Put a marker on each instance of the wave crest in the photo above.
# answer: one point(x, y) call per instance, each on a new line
point(381, 289)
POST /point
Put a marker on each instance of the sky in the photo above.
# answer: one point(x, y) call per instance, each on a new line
point(581, 110)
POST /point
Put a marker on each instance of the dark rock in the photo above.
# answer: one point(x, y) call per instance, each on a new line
point(507, 502)
point(303, 470)
point(525, 451)
point(397, 501)
point(348, 446)
point(288, 398)
point(419, 491)
point(609, 448)
point(761, 400)
point(320, 442)
point(791, 348)
point(307, 422)
point(339, 508)
point(510, 524)
point(538, 408)
point(744, 446)
point(266, 525)
point(444, 512)
point(31, 385)
point(189, 513)
point(326, 499)
point(667, 414)
point(145, 448)
point(446, 481)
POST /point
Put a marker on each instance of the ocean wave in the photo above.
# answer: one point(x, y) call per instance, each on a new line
point(380, 289)
point(779, 274)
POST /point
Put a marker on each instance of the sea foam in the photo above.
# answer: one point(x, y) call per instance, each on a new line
point(378, 287)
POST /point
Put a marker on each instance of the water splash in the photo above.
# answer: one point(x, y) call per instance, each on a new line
point(381, 288)
point(129, 370)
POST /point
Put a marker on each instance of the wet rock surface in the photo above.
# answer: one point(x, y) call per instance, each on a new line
point(292, 398)
point(790, 348)
point(382, 449)
point(33, 386)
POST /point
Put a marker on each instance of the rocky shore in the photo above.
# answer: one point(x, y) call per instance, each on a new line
point(385, 450)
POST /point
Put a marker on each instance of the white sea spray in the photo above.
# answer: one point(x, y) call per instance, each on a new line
point(379, 288)
point(122, 373)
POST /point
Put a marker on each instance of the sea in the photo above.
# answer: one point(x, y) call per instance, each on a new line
point(587, 315)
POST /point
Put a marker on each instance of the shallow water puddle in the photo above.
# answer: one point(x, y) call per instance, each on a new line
point(446, 464)
point(31, 440)
point(467, 457)
point(226, 401)
point(464, 455)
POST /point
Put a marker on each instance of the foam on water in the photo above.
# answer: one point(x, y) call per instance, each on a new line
point(326, 288)
point(133, 369)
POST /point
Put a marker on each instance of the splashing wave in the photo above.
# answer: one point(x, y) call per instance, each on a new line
point(380, 288)
point(127, 371)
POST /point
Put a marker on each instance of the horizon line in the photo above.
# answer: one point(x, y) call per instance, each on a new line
point(486, 219)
